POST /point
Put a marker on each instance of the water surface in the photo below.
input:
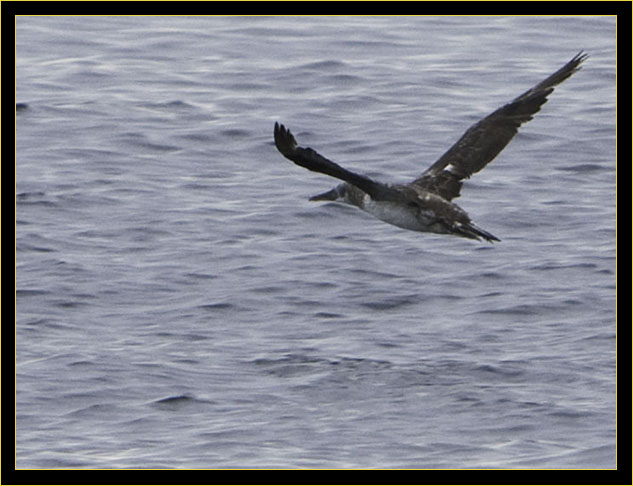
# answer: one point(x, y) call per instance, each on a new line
point(180, 302)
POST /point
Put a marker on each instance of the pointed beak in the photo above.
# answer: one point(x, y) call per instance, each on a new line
point(332, 195)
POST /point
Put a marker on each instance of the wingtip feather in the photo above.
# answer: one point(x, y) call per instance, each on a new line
point(284, 140)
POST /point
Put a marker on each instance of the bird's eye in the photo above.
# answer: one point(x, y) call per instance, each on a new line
point(413, 204)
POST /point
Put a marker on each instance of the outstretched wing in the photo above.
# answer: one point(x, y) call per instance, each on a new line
point(311, 160)
point(483, 141)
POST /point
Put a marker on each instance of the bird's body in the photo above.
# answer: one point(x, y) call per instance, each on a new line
point(425, 203)
point(409, 207)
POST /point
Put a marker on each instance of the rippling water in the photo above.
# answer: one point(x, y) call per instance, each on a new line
point(180, 303)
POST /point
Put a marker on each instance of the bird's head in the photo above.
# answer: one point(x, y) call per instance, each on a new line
point(336, 194)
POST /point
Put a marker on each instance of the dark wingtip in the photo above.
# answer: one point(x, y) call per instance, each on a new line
point(577, 60)
point(284, 140)
point(568, 69)
point(580, 57)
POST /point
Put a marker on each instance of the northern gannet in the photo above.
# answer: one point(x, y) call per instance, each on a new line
point(425, 203)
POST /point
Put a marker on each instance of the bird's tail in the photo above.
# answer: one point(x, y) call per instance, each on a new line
point(469, 230)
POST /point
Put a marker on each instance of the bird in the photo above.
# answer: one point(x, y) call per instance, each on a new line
point(425, 204)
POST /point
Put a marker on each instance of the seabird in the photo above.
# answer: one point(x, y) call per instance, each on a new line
point(425, 203)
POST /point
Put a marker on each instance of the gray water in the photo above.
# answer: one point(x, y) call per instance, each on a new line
point(180, 302)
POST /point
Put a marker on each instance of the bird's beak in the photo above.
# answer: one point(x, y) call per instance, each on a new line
point(332, 195)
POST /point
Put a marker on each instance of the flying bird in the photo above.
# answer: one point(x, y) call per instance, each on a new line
point(425, 204)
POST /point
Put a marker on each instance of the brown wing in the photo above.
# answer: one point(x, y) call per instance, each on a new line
point(483, 141)
point(311, 160)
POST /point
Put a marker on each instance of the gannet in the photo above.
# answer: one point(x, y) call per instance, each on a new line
point(425, 203)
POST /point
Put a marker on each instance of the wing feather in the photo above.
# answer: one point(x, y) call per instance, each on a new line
point(483, 141)
point(312, 160)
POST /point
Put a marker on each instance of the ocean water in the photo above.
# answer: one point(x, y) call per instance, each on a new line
point(181, 304)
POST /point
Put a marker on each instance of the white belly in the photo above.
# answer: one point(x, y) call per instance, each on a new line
point(408, 218)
